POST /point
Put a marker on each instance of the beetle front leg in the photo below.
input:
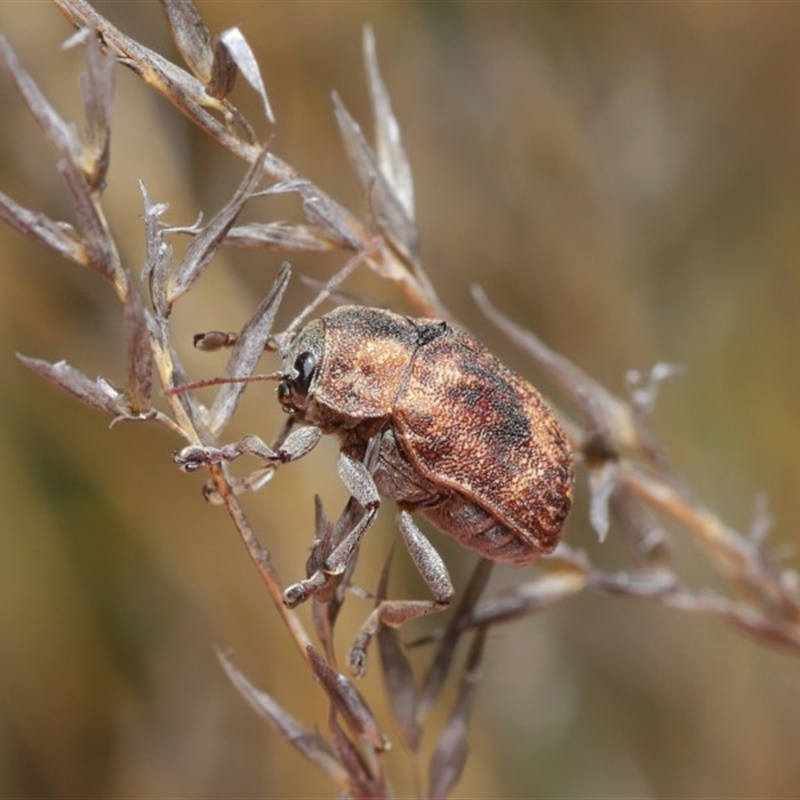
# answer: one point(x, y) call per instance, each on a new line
point(355, 476)
point(297, 444)
point(395, 613)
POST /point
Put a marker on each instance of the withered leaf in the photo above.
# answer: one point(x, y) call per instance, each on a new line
point(348, 702)
point(62, 134)
point(646, 537)
point(442, 662)
point(97, 86)
point(100, 249)
point(159, 254)
point(203, 248)
point(323, 620)
point(140, 357)
point(602, 480)
point(97, 394)
point(391, 154)
point(281, 236)
point(38, 227)
point(191, 36)
point(651, 584)
point(530, 597)
point(232, 52)
point(363, 783)
point(181, 88)
point(310, 744)
point(323, 212)
point(223, 71)
point(452, 749)
point(384, 204)
point(398, 676)
point(248, 349)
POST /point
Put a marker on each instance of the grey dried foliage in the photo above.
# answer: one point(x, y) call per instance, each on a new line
point(348, 702)
point(249, 346)
point(629, 478)
point(452, 748)
point(206, 240)
point(191, 36)
point(310, 743)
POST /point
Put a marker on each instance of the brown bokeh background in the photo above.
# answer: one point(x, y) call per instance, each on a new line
point(622, 178)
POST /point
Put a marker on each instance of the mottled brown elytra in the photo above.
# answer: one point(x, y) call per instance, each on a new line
point(429, 418)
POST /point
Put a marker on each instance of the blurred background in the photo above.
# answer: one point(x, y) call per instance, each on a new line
point(624, 179)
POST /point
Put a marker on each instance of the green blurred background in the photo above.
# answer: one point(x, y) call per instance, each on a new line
point(622, 178)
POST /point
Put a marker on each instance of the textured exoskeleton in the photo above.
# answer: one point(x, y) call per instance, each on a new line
point(446, 431)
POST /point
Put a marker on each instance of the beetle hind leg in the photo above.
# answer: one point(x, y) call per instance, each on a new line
point(395, 613)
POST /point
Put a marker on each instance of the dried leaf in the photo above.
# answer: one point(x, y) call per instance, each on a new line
point(97, 86)
point(392, 156)
point(248, 349)
point(159, 254)
point(775, 633)
point(323, 212)
point(223, 72)
point(529, 598)
point(232, 50)
point(283, 236)
point(452, 749)
point(328, 602)
point(140, 357)
point(738, 559)
point(363, 783)
point(38, 227)
point(205, 245)
point(97, 394)
point(75, 165)
point(753, 621)
point(443, 660)
point(62, 134)
point(650, 584)
point(191, 36)
point(602, 480)
point(646, 537)
point(311, 745)
point(383, 203)
point(182, 89)
point(348, 702)
point(400, 688)
point(101, 252)
point(321, 607)
point(398, 677)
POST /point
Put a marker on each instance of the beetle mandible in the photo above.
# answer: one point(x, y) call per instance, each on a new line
point(452, 433)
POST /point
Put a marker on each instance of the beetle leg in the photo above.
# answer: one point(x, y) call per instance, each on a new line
point(297, 444)
point(395, 613)
point(361, 486)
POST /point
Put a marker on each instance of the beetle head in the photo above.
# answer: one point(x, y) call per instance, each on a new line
point(302, 358)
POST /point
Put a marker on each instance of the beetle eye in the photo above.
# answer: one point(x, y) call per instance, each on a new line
point(284, 393)
point(305, 364)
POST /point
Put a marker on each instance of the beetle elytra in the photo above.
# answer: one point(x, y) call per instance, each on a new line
point(429, 418)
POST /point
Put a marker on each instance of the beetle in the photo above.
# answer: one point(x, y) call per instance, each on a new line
point(430, 418)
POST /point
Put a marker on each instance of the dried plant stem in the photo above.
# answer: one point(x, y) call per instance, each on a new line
point(260, 557)
point(740, 561)
point(628, 475)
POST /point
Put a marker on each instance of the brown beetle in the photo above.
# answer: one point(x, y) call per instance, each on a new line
point(429, 418)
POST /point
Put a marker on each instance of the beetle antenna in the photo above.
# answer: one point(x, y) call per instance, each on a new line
point(190, 387)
